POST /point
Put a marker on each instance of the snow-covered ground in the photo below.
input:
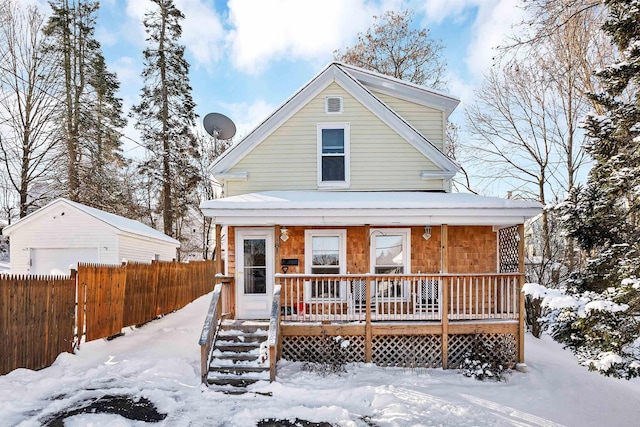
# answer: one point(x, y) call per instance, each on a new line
point(160, 362)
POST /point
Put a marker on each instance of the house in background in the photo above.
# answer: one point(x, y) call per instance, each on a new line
point(64, 233)
point(342, 197)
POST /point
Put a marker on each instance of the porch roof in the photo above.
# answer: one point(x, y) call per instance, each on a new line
point(375, 208)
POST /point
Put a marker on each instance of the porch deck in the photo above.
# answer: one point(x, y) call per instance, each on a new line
point(400, 320)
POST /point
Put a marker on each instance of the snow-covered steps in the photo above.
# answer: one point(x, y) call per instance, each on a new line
point(239, 356)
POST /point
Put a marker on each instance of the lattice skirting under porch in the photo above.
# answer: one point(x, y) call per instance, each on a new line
point(502, 346)
point(323, 348)
point(407, 351)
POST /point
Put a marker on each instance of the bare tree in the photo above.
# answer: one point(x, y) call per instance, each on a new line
point(512, 123)
point(393, 48)
point(28, 105)
point(567, 38)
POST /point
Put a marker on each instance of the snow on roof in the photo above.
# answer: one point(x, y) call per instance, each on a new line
point(121, 223)
point(365, 200)
point(387, 207)
point(124, 224)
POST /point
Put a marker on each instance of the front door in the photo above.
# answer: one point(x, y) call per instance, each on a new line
point(254, 272)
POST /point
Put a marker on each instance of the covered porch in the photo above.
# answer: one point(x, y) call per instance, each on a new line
point(326, 270)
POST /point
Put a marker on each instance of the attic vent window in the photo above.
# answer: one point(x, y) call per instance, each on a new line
point(333, 104)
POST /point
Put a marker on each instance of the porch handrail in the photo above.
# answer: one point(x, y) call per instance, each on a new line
point(273, 339)
point(417, 296)
point(352, 275)
point(209, 331)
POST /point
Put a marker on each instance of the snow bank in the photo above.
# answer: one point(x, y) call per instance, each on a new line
point(161, 360)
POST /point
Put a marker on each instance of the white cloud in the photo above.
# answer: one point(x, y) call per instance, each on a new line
point(438, 10)
point(247, 116)
point(202, 31)
point(290, 29)
point(494, 21)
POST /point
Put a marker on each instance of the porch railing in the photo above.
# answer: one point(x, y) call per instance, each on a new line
point(356, 297)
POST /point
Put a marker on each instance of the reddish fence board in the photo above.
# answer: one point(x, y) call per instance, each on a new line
point(132, 294)
point(37, 319)
point(38, 315)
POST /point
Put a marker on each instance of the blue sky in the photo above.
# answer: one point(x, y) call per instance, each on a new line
point(248, 56)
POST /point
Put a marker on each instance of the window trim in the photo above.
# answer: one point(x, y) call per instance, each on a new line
point(406, 248)
point(347, 157)
point(308, 260)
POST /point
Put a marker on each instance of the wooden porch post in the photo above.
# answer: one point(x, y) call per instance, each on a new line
point(276, 243)
point(218, 254)
point(368, 335)
point(520, 293)
point(444, 310)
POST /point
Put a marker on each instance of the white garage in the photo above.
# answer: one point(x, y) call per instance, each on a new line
point(64, 233)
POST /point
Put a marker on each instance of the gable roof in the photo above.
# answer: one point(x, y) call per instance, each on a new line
point(355, 81)
point(120, 223)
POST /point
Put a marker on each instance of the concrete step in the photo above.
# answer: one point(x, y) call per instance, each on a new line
point(239, 336)
point(236, 369)
point(237, 347)
point(245, 326)
point(235, 357)
point(236, 381)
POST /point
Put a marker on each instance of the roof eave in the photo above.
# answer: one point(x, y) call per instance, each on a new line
point(391, 217)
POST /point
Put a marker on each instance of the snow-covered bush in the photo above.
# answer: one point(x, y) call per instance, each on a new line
point(538, 309)
point(602, 328)
point(329, 357)
point(486, 361)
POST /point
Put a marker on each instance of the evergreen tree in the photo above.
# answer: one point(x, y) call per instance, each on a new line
point(603, 328)
point(165, 116)
point(92, 113)
point(603, 215)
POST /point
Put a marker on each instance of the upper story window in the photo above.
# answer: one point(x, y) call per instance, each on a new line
point(333, 154)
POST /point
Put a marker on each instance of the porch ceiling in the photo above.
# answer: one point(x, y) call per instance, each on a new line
point(376, 208)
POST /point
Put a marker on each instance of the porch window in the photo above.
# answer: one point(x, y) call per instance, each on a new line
point(391, 255)
point(325, 254)
point(333, 155)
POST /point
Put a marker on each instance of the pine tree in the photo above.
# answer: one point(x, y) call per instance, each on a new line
point(603, 215)
point(92, 113)
point(165, 115)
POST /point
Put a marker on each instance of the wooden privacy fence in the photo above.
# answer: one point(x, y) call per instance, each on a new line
point(132, 294)
point(37, 320)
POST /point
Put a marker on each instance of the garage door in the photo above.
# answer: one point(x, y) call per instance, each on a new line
point(57, 261)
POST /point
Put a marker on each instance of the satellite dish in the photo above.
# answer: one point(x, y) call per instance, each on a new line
point(219, 126)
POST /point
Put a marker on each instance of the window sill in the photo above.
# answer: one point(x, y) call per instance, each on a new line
point(333, 184)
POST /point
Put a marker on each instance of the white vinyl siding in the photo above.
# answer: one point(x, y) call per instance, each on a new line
point(379, 158)
point(52, 230)
point(428, 121)
point(144, 250)
point(61, 227)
